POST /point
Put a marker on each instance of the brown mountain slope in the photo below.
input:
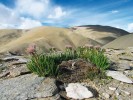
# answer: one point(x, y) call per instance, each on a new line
point(6, 35)
point(121, 42)
point(47, 37)
point(101, 34)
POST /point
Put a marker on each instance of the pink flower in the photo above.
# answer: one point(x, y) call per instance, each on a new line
point(31, 49)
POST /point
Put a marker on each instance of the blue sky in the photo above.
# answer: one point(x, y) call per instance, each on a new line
point(25, 14)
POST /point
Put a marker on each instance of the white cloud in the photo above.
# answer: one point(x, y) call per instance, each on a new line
point(114, 11)
point(29, 23)
point(30, 13)
point(34, 8)
point(58, 13)
point(9, 18)
point(130, 27)
point(6, 26)
point(7, 15)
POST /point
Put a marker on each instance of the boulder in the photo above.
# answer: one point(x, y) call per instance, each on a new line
point(46, 88)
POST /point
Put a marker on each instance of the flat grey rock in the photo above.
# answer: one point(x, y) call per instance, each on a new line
point(128, 58)
point(27, 87)
point(121, 67)
point(20, 61)
point(11, 58)
point(18, 58)
point(19, 88)
point(119, 76)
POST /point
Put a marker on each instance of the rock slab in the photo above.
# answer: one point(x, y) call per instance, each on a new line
point(19, 88)
point(119, 76)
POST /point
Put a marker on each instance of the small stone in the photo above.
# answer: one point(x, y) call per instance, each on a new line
point(19, 71)
point(117, 92)
point(127, 93)
point(4, 74)
point(78, 91)
point(1, 65)
point(123, 66)
point(23, 60)
point(112, 88)
point(126, 72)
point(63, 94)
point(107, 96)
point(119, 76)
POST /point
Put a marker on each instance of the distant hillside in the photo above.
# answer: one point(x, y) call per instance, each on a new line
point(121, 42)
point(8, 35)
point(101, 28)
point(101, 34)
point(47, 37)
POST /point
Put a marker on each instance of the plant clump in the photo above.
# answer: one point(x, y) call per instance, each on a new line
point(47, 64)
point(95, 56)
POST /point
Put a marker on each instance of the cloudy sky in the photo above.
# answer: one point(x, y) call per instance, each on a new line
point(25, 14)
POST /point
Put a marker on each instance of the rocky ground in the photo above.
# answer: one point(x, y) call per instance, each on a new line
point(18, 83)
